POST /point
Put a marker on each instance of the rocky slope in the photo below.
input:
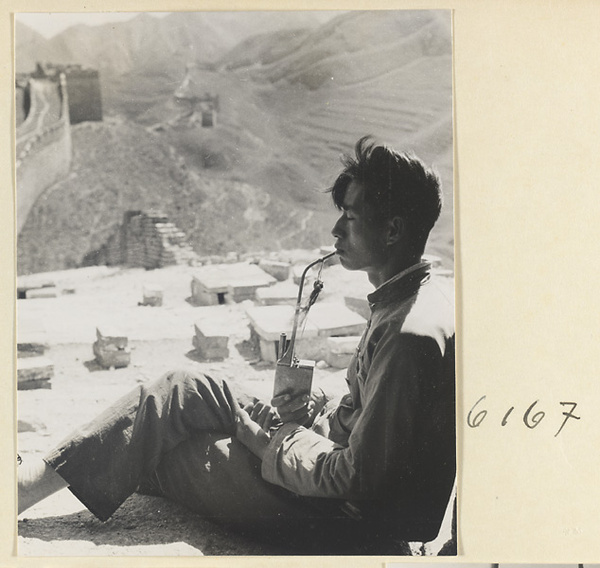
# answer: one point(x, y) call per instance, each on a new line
point(119, 166)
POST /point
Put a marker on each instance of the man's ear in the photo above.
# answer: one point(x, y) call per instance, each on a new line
point(396, 228)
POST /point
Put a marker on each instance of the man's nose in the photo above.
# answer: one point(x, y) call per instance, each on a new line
point(336, 231)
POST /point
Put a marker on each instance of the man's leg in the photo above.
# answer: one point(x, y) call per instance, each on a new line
point(217, 477)
point(105, 461)
point(36, 480)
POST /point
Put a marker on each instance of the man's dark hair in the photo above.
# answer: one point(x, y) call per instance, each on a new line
point(395, 184)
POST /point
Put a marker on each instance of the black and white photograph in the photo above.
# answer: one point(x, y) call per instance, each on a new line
point(235, 303)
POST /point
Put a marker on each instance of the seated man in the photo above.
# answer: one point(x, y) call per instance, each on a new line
point(362, 475)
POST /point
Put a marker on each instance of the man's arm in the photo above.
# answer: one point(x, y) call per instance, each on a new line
point(251, 435)
point(255, 419)
point(383, 440)
point(252, 423)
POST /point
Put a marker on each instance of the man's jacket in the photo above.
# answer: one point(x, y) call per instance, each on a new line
point(390, 444)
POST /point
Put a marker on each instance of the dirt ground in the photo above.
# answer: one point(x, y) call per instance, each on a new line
point(160, 339)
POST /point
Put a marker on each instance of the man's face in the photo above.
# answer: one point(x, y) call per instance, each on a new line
point(359, 238)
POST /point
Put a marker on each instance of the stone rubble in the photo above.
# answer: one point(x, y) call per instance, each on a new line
point(111, 348)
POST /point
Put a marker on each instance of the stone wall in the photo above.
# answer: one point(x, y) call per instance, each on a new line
point(145, 239)
point(47, 103)
point(43, 145)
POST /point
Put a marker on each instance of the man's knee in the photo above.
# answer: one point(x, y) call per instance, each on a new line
point(186, 379)
point(196, 400)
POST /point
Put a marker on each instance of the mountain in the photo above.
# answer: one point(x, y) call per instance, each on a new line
point(143, 58)
point(358, 46)
point(292, 98)
point(388, 73)
point(29, 44)
point(146, 42)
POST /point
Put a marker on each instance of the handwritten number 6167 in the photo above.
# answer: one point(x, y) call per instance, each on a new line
point(531, 418)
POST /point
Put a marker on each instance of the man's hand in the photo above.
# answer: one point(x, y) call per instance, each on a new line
point(250, 433)
point(261, 413)
point(301, 409)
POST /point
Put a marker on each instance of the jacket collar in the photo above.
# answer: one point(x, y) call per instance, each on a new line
point(402, 285)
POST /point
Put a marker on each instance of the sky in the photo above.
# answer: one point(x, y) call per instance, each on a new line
point(51, 23)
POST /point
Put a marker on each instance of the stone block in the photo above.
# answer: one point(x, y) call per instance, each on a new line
point(211, 347)
point(108, 336)
point(31, 384)
point(47, 292)
point(277, 295)
point(271, 321)
point(211, 328)
point(32, 281)
point(108, 355)
point(279, 270)
point(359, 305)
point(31, 349)
point(340, 350)
point(336, 319)
point(34, 372)
point(211, 339)
point(203, 296)
point(306, 348)
point(153, 295)
point(31, 426)
point(241, 293)
point(215, 284)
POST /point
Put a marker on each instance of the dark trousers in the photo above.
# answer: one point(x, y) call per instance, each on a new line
point(175, 438)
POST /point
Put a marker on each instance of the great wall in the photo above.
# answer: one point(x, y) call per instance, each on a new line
point(52, 99)
point(48, 101)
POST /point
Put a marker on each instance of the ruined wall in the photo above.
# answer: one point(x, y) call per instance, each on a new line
point(43, 143)
point(144, 239)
